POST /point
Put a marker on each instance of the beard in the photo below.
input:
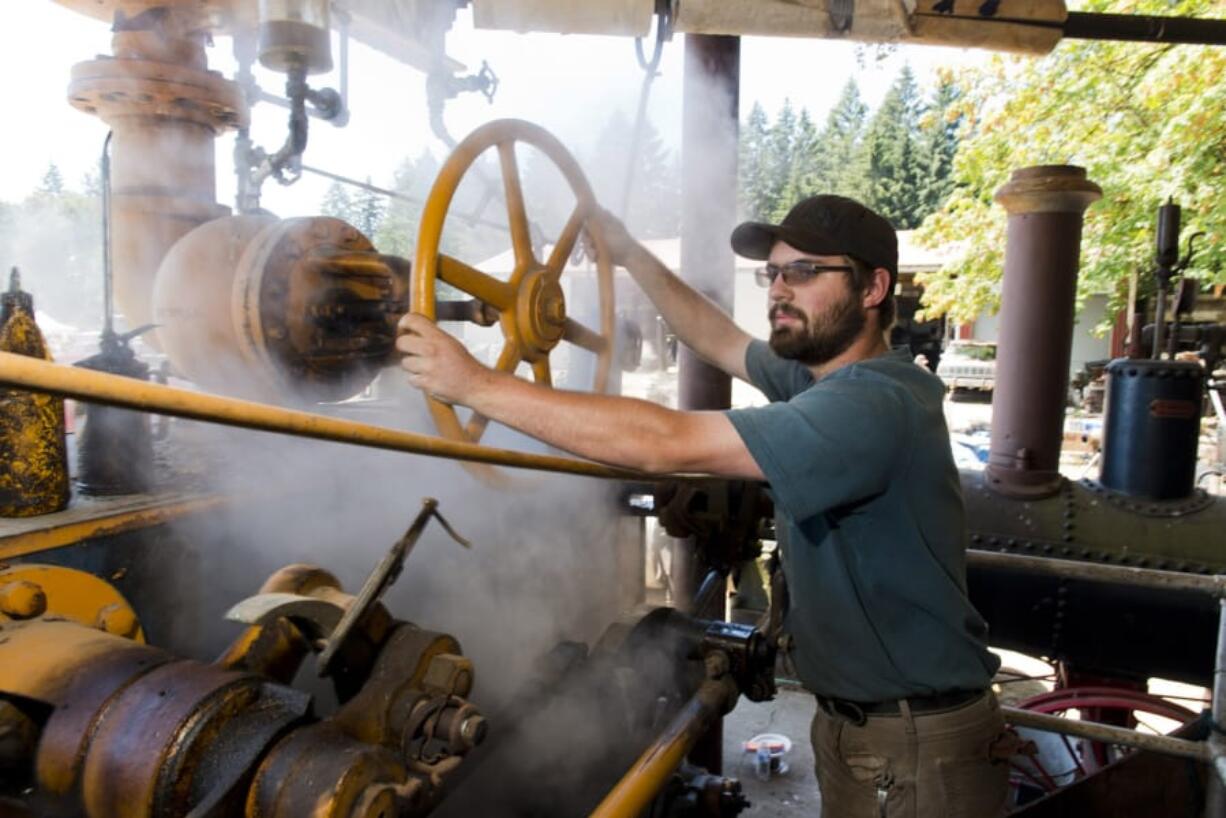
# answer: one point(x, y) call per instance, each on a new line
point(819, 339)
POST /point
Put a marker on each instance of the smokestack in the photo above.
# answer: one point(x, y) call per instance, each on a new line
point(1046, 205)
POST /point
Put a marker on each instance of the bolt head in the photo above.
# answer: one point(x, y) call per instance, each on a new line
point(473, 730)
point(118, 620)
point(22, 600)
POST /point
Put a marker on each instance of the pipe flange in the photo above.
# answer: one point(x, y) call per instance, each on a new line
point(1048, 189)
point(114, 88)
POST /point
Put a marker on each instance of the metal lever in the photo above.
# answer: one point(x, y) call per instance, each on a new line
point(381, 578)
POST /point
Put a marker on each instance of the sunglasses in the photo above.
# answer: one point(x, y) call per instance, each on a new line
point(795, 272)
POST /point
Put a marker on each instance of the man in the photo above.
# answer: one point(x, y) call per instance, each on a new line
point(870, 518)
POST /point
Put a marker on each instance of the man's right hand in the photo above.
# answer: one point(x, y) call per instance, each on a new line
point(620, 243)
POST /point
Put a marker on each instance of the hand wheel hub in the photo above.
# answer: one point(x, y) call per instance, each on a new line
point(541, 314)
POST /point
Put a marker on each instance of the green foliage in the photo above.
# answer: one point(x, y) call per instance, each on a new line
point(779, 157)
point(1146, 121)
point(896, 178)
point(938, 138)
point(841, 166)
point(754, 183)
point(397, 232)
point(899, 163)
point(55, 236)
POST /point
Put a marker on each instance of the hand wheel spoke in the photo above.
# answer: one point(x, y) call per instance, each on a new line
point(508, 359)
point(540, 369)
point(581, 336)
point(476, 283)
point(566, 242)
point(475, 427)
point(517, 211)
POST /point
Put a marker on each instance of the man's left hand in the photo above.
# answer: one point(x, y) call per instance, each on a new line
point(437, 363)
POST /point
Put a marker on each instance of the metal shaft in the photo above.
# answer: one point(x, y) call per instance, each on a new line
point(1107, 733)
point(113, 390)
point(1095, 572)
point(649, 774)
point(1159, 319)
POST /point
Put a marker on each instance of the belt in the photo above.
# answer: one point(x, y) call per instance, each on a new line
point(857, 712)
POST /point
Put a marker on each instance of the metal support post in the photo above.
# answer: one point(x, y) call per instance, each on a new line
point(709, 122)
point(1215, 798)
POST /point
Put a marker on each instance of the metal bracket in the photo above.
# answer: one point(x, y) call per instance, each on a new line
point(381, 578)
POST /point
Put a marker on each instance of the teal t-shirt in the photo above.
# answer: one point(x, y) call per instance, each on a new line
point(871, 527)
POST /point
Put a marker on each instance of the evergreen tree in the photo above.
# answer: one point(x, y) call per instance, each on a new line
point(336, 202)
point(397, 231)
point(939, 144)
point(778, 153)
point(840, 166)
point(654, 206)
point(802, 172)
point(52, 183)
point(55, 237)
point(753, 183)
point(366, 210)
point(895, 164)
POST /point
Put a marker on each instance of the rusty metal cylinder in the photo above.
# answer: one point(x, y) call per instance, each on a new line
point(165, 108)
point(33, 452)
point(1046, 205)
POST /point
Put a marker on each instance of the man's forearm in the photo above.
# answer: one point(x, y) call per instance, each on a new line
point(698, 321)
point(617, 430)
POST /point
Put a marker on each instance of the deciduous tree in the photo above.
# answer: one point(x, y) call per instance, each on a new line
point(1147, 122)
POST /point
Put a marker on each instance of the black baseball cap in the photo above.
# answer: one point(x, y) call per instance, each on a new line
point(825, 225)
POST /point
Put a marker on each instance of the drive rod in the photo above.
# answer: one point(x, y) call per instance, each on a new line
point(1169, 745)
point(21, 372)
point(651, 771)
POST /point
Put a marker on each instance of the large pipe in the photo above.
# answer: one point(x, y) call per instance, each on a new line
point(164, 108)
point(708, 191)
point(97, 387)
point(651, 771)
point(1046, 205)
point(1148, 578)
point(709, 123)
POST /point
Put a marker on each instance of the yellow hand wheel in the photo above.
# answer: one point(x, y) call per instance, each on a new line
point(530, 304)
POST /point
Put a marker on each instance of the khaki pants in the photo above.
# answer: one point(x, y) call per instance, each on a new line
point(926, 765)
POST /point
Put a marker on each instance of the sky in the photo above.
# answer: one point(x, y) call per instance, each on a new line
point(568, 84)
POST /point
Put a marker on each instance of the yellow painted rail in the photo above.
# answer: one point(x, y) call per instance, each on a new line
point(97, 387)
